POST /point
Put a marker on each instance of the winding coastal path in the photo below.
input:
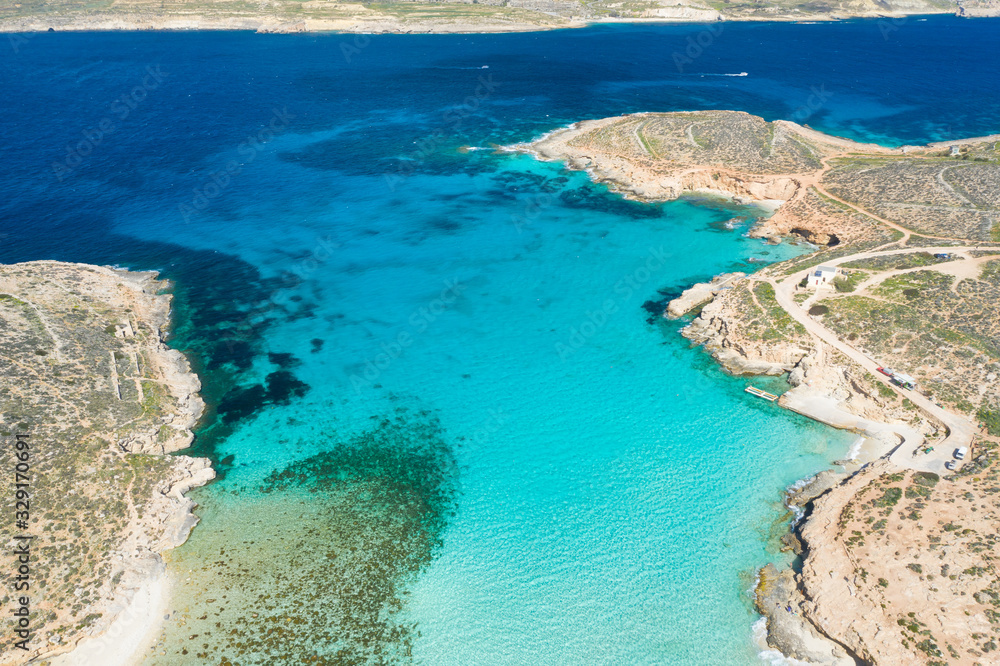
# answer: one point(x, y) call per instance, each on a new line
point(676, 163)
point(960, 430)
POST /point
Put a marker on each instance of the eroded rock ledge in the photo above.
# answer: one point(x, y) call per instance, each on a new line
point(102, 400)
point(779, 598)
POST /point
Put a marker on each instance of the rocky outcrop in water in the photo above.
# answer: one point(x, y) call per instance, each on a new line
point(699, 294)
point(779, 599)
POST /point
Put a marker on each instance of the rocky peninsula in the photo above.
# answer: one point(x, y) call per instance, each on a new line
point(897, 545)
point(93, 403)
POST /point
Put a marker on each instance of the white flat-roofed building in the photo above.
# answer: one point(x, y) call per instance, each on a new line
point(822, 276)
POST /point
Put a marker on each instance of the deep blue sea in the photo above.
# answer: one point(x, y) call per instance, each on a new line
point(450, 427)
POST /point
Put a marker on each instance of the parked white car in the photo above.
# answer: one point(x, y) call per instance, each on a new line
point(960, 452)
point(950, 464)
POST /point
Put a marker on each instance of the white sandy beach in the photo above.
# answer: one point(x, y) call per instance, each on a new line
point(129, 638)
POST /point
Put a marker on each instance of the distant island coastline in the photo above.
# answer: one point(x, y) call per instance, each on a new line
point(292, 16)
point(905, 268)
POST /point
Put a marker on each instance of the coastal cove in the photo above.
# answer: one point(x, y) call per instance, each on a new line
point(445, 412)
point(920, 430)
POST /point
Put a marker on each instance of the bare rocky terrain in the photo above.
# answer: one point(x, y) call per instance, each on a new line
point(902, 565)
point(86, 376)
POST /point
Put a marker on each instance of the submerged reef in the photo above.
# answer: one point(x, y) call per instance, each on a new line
point(316, 561)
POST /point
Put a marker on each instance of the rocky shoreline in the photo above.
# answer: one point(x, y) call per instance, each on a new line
point(619, 152)
point(644, 180)
point(778, 594)
point(806, 610)
point(853, 601)
point(711, 330)
point(135, 401)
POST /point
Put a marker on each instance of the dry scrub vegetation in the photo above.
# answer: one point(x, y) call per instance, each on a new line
point(921, 551)
point(900, 565)
point(726, 139)
point(944, 331)
point(763, 319)
point(938, 196)
point(845, 198)
point(79, 372)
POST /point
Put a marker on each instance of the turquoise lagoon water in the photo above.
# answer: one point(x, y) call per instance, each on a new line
point(615, 491)
point(450, 426)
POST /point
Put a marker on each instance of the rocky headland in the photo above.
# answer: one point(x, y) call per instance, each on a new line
point(101, 401)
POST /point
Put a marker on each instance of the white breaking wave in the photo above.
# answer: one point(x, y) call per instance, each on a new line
point(855, 449)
